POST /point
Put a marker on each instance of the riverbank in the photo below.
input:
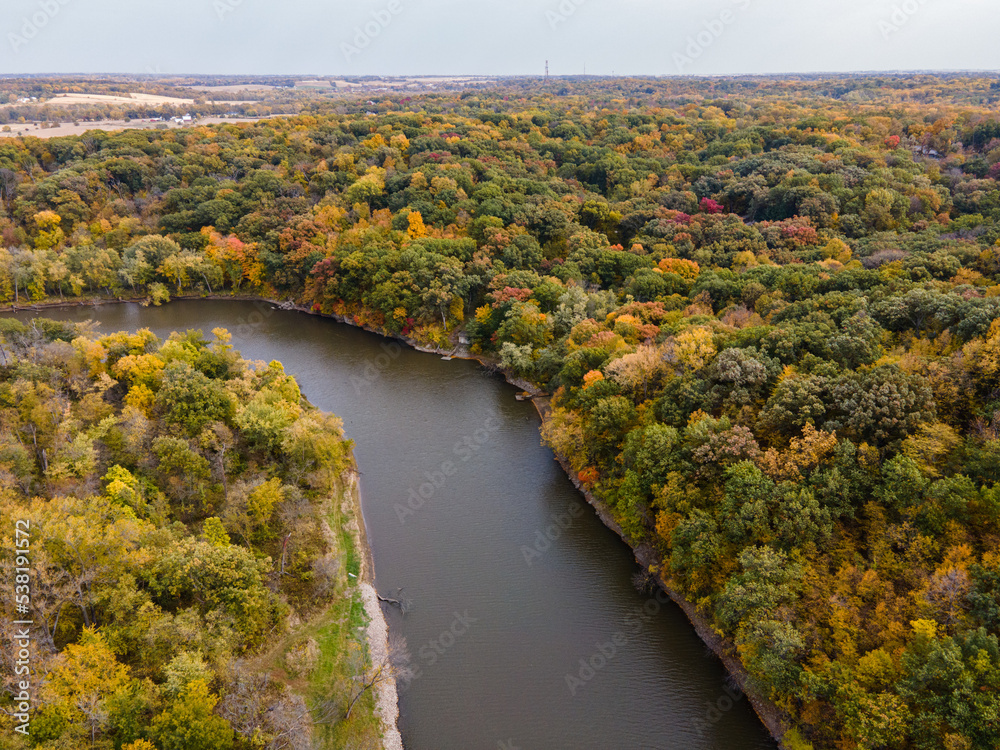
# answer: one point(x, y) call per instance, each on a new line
point(769, 716)
point(311, 655)
point(651, 561)
point(377, 630)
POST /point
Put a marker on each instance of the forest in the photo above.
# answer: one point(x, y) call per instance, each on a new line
point(183, 509)
point(766, 311)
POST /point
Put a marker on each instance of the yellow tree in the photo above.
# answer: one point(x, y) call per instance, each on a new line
point(416, 228)
point(693, 348)
point(49, 234)
point(82, 678)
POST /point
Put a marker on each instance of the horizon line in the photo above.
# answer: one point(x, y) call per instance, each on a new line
point(522, 76)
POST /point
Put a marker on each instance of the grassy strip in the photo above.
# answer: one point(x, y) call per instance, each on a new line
point(343, 650)
point(336, 637)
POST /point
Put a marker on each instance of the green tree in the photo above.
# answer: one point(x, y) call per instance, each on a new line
point(192, 400)
point(189, 724)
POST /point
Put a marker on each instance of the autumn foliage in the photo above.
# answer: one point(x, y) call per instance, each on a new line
point(768, 312)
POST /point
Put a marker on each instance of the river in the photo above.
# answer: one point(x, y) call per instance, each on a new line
point(525, 628)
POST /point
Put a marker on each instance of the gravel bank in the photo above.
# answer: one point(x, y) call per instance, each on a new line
point(386, 700)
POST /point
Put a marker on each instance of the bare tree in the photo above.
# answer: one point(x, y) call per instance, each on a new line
point(8, 186)
point(219, 439)
point(395, 664)
point(263, 710)
point(644, 582)
point(95, 713)
point(290, 723)
point(948, 592)
point(326, 573)
point(54, 589)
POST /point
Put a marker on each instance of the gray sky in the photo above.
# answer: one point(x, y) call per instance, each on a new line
point(489, 37)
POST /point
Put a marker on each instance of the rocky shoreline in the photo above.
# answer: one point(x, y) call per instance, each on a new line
point(377, 630)
point(386, 696)
point(769, 714)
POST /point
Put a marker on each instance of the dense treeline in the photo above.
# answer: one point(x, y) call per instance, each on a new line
point(766, 310)
point(181, 509)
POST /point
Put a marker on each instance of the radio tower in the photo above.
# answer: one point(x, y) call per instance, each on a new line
point(546, 71)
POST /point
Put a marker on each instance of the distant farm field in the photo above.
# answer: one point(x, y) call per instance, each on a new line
point(152, 100)
point(68, 128)
point(234, 87)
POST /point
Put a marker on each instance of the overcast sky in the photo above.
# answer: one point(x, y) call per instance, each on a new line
point(492, 37)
